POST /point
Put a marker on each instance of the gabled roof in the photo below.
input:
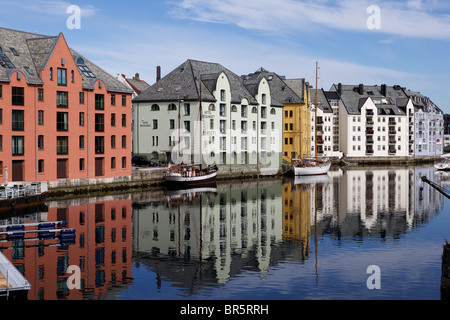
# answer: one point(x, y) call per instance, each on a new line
point(281, 93)
point(184, 83)
point(32, 52)
point(136, 83)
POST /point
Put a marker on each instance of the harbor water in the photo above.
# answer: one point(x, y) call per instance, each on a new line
point(268, 239)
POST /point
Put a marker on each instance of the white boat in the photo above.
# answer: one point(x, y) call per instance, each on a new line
point(443, 166)
point(318, 179)
point(312, 166)
point(182, 176)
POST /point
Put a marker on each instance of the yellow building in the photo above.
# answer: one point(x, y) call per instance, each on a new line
point(297, 121)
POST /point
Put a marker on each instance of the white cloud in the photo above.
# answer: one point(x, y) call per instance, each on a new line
point(411, 18)
point(49, 7)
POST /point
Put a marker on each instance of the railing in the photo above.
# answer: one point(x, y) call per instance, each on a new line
point(20, 191)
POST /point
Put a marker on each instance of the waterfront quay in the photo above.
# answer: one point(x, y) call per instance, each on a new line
point(265, 239)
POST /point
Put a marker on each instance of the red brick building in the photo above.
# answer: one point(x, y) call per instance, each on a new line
point(62, 118)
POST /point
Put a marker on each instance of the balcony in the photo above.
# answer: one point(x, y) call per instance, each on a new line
point(369, 122)
point(369, 112)
point(392, 122)
point(369, 141)
point(392, 151)
point(369, 131)
point(392, 132)
point(391, 141)
point(369, 151)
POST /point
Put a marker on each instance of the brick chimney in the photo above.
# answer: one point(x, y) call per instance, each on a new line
point(158, 73)
point(136, 77)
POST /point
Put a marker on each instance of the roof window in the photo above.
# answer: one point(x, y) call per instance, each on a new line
point(29, 70)
point(13, 50)
point(84, 69)
point(5, 62)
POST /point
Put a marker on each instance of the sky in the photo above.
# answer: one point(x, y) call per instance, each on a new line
point(373, 42)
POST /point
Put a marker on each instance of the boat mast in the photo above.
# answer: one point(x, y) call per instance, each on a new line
point(315, 115)
point(201, 124)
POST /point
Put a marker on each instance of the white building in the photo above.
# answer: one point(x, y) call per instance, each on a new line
point(385, 121)
point(241, 123)
point(327, 124)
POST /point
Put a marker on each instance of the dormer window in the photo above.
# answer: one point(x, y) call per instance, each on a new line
point(84, 69)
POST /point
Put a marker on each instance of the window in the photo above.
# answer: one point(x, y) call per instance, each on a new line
point(81, 97)
point(155, 124)
point(81, 142)
point(62, 77)
point(40, 142)
point(187, 109)
point(40, 166)
point(81, 165)
point(62, 99)
point(124, 162)
point(41, 94)
point(99, 102)
point(113, 119)
point(18, 148)
point(1, 91)
point(99, 145)
point(244, 111)
point(81, 119)
point(14, 51)
point(113, 99)
point(171, 107)
point(99, 122)
point(113, 163)
point(17, 120)
point(222, 109)
point(222, 126)
point(72, 76)
point(1, 147)
point(154, 107)
point(62, 145)
point(51, 73)
point(62, 121)
point(124, 100)
point(18, 97)
point(171, 124)
point(124, 142)
point(187, 126)
point(124, 120)
point(113, 142)
point(1, 116)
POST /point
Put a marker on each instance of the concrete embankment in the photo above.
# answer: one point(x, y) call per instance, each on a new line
point(147, 179)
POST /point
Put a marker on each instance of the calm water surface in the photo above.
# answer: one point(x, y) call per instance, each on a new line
point(284, 239)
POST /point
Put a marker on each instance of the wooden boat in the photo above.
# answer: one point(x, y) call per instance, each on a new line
point(312, 166)
point(185, 176)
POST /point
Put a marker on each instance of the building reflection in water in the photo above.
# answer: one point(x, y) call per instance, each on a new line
point(199, 239)
point(102, 249)
point(204, 238)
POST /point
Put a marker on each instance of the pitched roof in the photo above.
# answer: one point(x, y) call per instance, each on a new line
point(389, 100)
point(184, 83)
point(136, 83)
point(322, 100)
point(33, 52)
point(281, 93)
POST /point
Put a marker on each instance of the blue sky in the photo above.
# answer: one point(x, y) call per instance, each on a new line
point(411, 47)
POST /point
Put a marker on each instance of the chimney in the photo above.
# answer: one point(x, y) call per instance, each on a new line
point(340, 88)
point(158, 73)
point(361, 89)
point(383, 90)
point(136, 77)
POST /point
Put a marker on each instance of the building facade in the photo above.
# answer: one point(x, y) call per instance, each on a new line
point(62, 118)
point(239, 124)
point(386, 121)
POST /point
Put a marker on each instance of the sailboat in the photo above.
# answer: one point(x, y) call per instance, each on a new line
point(314, 165)
point(184, 176)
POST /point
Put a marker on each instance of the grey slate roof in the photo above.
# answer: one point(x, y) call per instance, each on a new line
point(391, 102)
point(184, 83)
point(280, 91)
point(420, 101)
point(34, 51)
point(322, 100)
